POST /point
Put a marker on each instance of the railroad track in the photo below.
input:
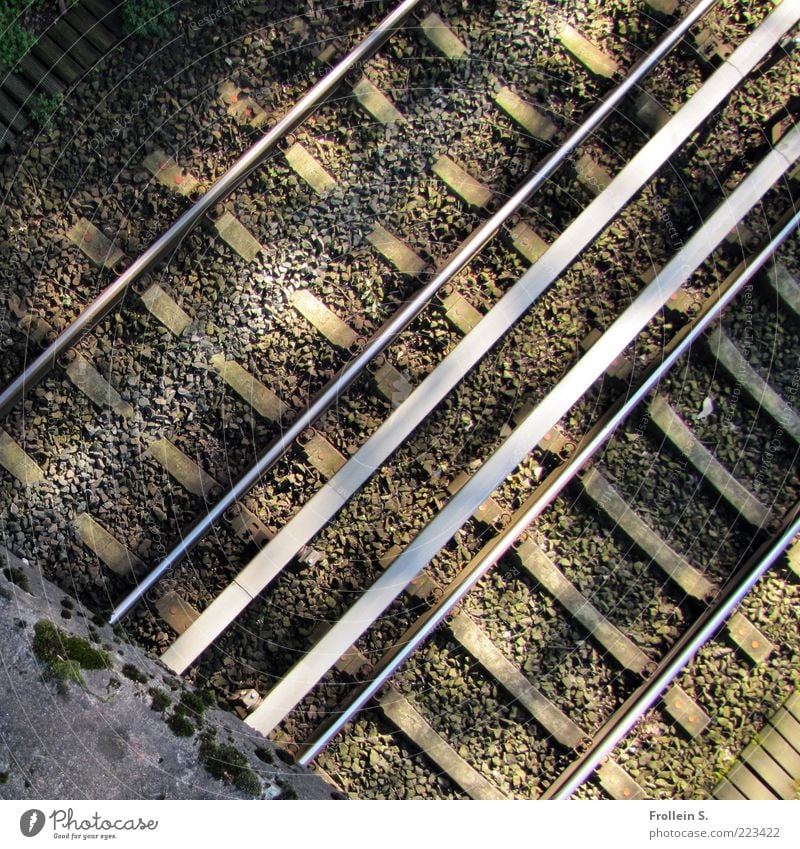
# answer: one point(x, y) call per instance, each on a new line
point(399, 521)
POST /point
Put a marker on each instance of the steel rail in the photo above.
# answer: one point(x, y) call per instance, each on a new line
point(678, 658)
point(308, 671)
point(549, 490)
point(326, 502)
point(253, 158)
point(406, 314)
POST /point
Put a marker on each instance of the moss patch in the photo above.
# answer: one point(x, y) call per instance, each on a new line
point(65, 656)
point(160, 700)
point(4, 776)
point(180, 725)
point(228, 764)
point(130, 671)
point(264, 755)
point(18, 577)
point(195, 704)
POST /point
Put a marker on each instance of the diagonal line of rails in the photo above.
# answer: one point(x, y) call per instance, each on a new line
point(395, 326)
point(333, 495)
point(305, 674)
point(491, 553)
point(252, 159)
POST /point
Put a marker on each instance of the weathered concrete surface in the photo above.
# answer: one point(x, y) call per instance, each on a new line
point(59, 741)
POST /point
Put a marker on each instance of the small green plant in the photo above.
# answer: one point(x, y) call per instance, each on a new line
point(264, 755)
point(130, 671)
point(145, 18)
point(63, 655)
point(16, 576)
point(17, 39)
point(43, 107)
point(195, 703)
point(181, 726)
point(160, 700)
point(228, 764)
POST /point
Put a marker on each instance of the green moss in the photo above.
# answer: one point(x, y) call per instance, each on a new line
point(4, 776)
point(65, 656)
point(16, 576)
point(43, 108)
point(195, 704)
point(180, 725)
point(228, 764)
point(17, 39)
point(287, 791)
point(160, 700)
point(130, 671)
point(145, 18)
point(264, 755)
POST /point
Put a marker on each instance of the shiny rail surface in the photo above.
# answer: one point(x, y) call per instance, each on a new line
point(405, 418)
point(424, 626)
point(467, 251)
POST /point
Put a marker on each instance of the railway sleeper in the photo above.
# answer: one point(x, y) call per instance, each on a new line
point(547, 575)
point(749, 639)
point(442, 37)
point(170, 175)
point(649, 114)
point(710, 48)
point(308, 168)
point(534, 122)
point(252, 391)
point(237, 237)
point(106, 546)
point(17, 462)
point(458, 310)
point(376, 103)
point(527, 242)
point(11, 114)
point(392, 383)
point(241, 106)
point(731, 358)
point(160, 304)
point(396, 252)
point(175, 611)
point(95, 244)
point(587, 53)
point(74, 43)
point(591, 175)
point(618, 783)
point(324, 320)
point(672, 426)
point(56, 58)
point(108, 12)
point(785, 286)
point(321, 453)
point(461, 183)
point(685, 711)
point(677, 568)
point(86, 378)
point(404, 716)
point(81, 20)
